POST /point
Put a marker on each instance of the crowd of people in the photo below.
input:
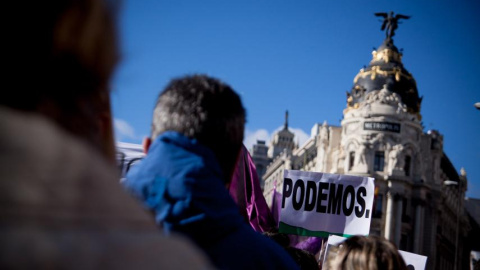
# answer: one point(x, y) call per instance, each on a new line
point(192, 203)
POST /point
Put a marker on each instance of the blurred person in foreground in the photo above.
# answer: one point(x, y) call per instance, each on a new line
point(365, 252)
point(61, 206)
point(197, 133)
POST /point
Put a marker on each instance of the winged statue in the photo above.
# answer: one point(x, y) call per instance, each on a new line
point(390, 22)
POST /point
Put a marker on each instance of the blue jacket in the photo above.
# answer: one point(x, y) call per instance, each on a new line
point(180, 180)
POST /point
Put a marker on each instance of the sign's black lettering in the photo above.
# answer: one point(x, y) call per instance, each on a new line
point(349, 192)
point(360, 209)
point(330, 198)
point(335, 199)
point(287, 190)
point(322, 197)
point(382, 126)
point(298, 199)
point(311, 196)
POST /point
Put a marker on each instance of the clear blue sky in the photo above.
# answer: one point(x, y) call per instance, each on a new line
point(302, 56)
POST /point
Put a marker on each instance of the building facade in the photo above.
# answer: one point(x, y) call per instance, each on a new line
point(419, 195)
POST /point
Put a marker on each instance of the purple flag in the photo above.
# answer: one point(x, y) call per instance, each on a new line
point(276, 204)
point(246, 192)
point(311, 244)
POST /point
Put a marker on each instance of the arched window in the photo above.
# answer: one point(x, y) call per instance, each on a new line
point(407, 165)
point(260, 171)
point(377, 205)
point(351, 160)
point(379, 161)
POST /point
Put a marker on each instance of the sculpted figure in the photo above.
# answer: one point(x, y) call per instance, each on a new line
point(395, 160)
point(360, 162)
point(324, 134)
point(390, 22)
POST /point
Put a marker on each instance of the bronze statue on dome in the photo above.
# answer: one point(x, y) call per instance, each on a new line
point(390, 22)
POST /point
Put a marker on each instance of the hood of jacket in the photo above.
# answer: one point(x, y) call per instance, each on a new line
point(180, 180)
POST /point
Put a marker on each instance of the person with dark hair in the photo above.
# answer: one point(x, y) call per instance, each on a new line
point(61, 206)
point(279, 238)
point(204, 109)
point(197, 134)
point(304, 259)
point(365, 252)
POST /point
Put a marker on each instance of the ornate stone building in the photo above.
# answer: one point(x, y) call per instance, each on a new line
point(419, 195)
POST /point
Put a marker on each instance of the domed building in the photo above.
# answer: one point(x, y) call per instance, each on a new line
point(419, 195)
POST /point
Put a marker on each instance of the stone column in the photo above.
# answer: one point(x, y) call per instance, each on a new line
point(389, 217)
point(398, 221)
point(433, 238)
point(419, 216)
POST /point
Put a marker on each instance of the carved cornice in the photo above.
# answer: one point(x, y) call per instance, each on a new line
point(383, 96)
point(386, 55)
point(376, 70)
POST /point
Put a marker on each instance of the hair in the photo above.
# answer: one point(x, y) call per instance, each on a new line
point(279, 238)
point(365, 252)
point(304, 259)
point(206, 109)
point(61, 55)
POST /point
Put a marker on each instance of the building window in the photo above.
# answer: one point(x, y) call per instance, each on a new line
point(408, 160)
point(404, 243)
point(351, 160)
point(405, 216)
point(260, 171)
point(379, 161)
point(378, 207)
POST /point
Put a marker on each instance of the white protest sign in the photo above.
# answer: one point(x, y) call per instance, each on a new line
point(320, 204)
point(474, 258)
point(333, 240)
point(414, 261)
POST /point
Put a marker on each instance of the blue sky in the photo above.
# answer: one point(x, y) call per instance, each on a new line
point(302, 56)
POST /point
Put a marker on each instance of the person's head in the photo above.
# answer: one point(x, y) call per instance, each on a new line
point(60, 56)
point(205, 109)
point(304, 259)
point(366, 252)
point(279, 238)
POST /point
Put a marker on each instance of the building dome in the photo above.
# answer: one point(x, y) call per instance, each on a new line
point(386, 71)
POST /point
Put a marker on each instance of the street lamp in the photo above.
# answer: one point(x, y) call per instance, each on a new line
point(455, 183)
